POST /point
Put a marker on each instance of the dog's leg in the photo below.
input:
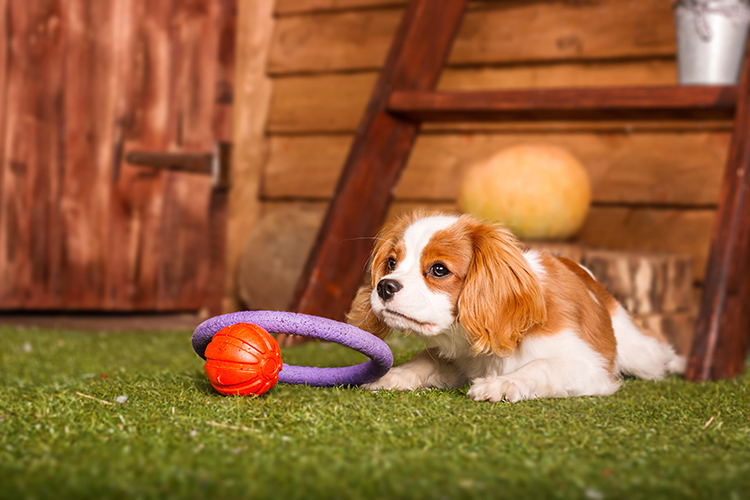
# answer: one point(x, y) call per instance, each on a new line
point(546, 378)
point(424, 371)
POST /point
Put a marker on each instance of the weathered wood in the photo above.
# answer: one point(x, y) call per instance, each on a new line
point(253, 96)
point(676, 328)
point(89, 109)
point(218, 287)
point(651, 230)
point(551, 31)
point(29, 216)
point(722, 330)
point(625, 103)
point(560, 74)
point(142, 60)
point(86, 83)
point(5, 44)
point(641, 168)
point(644, 282)
point(375, 161)
point(335, 102)
point(286, 7)
point(194, 47)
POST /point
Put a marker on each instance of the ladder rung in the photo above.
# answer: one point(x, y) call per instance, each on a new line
point(649, 103)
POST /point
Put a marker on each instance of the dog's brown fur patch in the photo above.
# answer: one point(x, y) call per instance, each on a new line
point(577, 302)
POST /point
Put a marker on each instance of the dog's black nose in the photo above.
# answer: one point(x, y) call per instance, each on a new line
point(388, 288)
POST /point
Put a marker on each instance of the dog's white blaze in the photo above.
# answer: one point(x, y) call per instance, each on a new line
point(415, 300)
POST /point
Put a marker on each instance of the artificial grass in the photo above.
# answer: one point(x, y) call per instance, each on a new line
point(175, 437)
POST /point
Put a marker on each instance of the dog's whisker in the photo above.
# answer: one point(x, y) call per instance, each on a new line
point(374, 238)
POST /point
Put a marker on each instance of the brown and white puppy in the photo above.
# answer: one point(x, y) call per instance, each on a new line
point(514, 324)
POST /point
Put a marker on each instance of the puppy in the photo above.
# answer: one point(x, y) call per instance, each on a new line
point(514, 324)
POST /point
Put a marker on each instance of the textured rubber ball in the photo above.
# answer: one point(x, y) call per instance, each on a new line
point(243, 359)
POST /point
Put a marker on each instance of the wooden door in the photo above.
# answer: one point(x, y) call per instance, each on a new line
point(82, 85)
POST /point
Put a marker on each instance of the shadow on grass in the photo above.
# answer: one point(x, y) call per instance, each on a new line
point(201, 383)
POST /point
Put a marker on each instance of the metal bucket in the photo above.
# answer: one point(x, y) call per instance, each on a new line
point(711, 37)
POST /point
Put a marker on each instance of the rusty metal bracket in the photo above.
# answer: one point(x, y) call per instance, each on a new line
point(216, 163)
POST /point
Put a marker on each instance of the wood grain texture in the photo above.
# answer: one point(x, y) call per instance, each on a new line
point(142, 59)
point(219, 290)
point(722, 331)
point(318, 208)
point(89, 100)
point(178, 61)
point(253, 96)
point(644, 282)
point(684, 232)
point(81, 84)
point(194, 48)
point(288, 7)
point(5, 45)
point(623, 103)
point(377, 157)
point(644, 168)
point(335, 102)
point(490, 34)
point(29, 220)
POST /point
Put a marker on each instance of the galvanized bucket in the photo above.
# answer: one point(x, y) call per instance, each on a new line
point(711, 37)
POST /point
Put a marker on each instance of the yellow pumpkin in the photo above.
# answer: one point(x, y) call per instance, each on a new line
point(536, 191)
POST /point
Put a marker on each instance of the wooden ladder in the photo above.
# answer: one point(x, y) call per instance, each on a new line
point(405, 96)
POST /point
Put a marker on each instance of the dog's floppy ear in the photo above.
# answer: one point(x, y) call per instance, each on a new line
point(501, 298)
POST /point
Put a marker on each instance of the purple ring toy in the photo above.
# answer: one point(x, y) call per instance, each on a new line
point(381, 357)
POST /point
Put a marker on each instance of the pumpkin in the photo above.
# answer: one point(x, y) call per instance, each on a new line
point(540, 192)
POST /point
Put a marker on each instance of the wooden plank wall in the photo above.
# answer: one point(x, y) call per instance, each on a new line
point(655, 184)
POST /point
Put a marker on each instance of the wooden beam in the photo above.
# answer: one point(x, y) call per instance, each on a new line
point(644, 103)
point(335, 102)
point(380, 151)
point(722, 330)
point(292, 7)
point(252, 91)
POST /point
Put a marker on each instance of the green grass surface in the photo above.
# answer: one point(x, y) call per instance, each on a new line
point(176, 438)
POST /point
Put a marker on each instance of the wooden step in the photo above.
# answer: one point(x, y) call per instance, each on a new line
point(657, 103)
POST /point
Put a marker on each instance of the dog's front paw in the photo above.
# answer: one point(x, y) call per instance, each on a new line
point(396, 379)
point(499, 388)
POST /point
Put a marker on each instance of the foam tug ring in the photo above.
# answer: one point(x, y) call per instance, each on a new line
point(259, 347)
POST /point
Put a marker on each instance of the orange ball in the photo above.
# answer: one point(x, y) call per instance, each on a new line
point(243, 359)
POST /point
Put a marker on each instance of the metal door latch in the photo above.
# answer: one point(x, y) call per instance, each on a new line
point(216, 163)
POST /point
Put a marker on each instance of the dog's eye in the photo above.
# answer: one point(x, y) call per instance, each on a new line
point(439, 270)
point(391, 264)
